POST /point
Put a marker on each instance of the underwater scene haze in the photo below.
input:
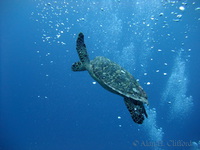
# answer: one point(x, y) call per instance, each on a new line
point(45, 105)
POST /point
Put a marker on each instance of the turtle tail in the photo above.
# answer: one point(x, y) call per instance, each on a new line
point(136, 109)
point(81, 49)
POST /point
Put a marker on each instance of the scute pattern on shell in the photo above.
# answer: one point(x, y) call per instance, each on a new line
point(118, 79)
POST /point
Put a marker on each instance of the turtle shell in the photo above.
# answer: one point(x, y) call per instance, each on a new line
point(116, 79)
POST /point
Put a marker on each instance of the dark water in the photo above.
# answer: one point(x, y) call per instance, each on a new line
point(44, 105)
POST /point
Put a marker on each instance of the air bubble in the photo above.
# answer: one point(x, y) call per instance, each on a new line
point(182, 8)
point(119, 117)
point(148, 83)
point(161, 14)
point(179, 16)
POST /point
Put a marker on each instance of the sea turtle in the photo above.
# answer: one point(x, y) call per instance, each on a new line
point(113, 78)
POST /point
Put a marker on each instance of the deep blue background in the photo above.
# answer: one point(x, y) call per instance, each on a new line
point(44, 105)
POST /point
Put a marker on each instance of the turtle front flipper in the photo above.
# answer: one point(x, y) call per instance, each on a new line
point(136, 109)
point(81, 49)
point(78, 66)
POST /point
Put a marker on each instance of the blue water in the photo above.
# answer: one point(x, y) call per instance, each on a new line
point(44, 105)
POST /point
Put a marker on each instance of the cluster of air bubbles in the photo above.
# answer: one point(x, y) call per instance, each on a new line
point(157, 71)
point(119, 118)
point(80, 19)
point(53, 18)
point(177, 17)
point(150, 125)
point(42, 97)
point(197, 8)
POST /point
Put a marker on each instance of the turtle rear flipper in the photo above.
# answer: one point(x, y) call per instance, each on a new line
point(81, 49)
point(136, 109)
point(78, 66)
